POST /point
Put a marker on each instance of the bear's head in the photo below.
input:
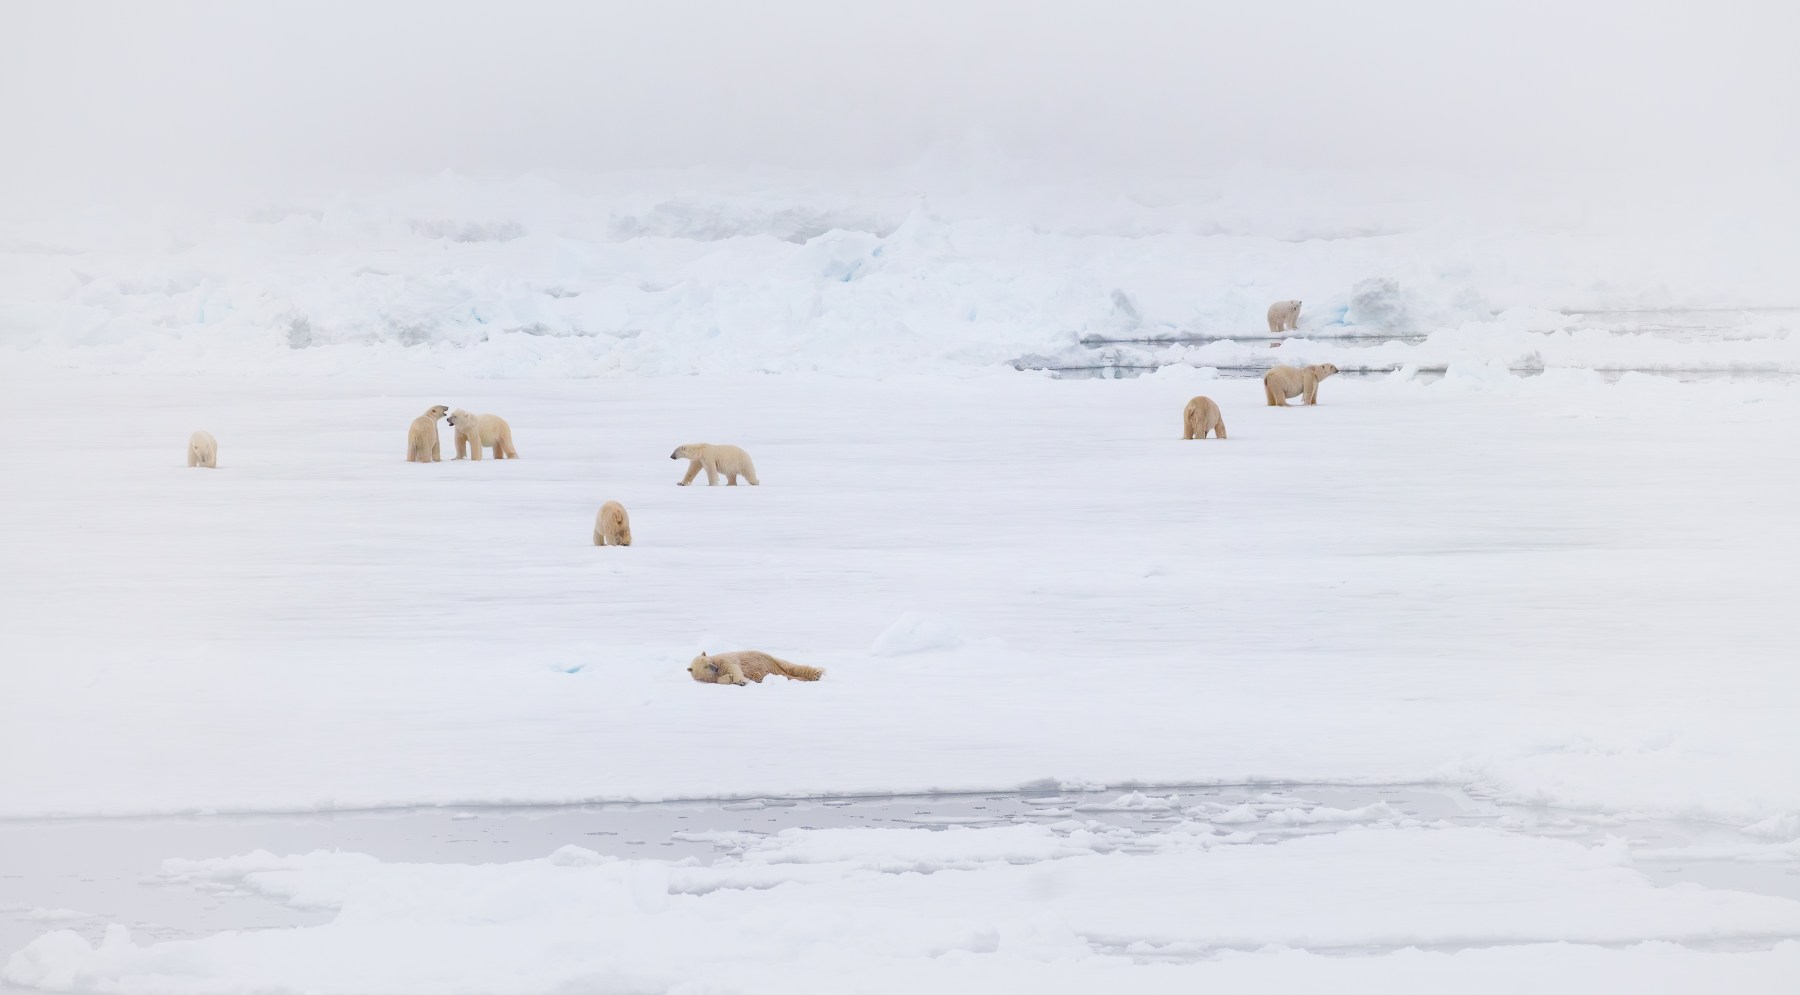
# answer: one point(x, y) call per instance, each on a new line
point(459, 415)
point(704, 670)
point(436, 411)
point(690, 451)
point(1324, 370)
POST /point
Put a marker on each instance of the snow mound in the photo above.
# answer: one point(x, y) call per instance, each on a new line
point(1134, 801)
point(1777, 827)
point(916, 632)
point(1234, 816)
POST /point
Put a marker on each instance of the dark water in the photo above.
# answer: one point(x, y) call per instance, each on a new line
point(1116, 372)
point(1422, 373)
point(1197, 338)
point(1109, 358)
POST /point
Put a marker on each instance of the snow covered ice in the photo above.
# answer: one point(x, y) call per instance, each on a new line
point(1565, 589)
point(1478, 676)
point(1468, 582)
point(1004, 907)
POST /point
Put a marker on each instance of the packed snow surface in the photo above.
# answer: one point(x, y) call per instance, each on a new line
point(1561, 590)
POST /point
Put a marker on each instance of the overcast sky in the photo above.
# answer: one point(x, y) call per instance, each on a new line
point(100, 97)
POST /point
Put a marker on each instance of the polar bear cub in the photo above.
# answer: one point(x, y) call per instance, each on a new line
point(745, 666)
point(612, 527)
point(1200, 417)
point(1284, 382)
point(727, 461)
point(422, 436)
point(203, 450)
point(481, 431)
point(1284, 316)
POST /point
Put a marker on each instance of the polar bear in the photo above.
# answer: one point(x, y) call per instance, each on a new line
point(729, 461)
point(612, 527)
point(478, 431)
point(1284, 382)
point(422, 436)
point(1200, 417)
point(1284, 316)
point(203, 450)
point(745, 666)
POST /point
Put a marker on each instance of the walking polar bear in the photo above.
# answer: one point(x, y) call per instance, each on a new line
point(612, 527)
point(1200, 417)
point(745, 666)
point(422, 436)
point(1284, 316)
point(203, 450)
point(728, 461)
point(1284, 382)
point(481, 431)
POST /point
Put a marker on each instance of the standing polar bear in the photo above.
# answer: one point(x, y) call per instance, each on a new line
point(1200, 417)
point(745, 666)
point(1284, 316)
point(1284, 382)
point(480, 431)
point(203, 450)
point(422, 436)
point(729, 461)
point(612, 527)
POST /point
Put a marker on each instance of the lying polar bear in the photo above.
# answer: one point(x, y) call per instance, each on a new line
point(1284, 382)
point(1284, 316)
point(729, 461)
point(612, 527)
point(744, 666)
point(480, 431)
point(1201, 416)
point(203, 450)
point(422, 436)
